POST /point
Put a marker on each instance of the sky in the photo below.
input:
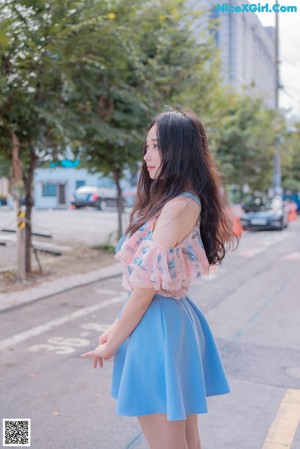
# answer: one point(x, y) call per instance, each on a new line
point(289, 54)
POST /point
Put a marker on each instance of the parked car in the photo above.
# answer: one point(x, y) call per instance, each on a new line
point(3, 201)
point(265, 214)
point(99, 197)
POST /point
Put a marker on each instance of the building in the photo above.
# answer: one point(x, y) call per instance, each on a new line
point(55, 185)
point(247, 49)
point(4, 187)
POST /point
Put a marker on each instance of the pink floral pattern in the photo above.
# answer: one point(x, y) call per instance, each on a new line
point(169, 270)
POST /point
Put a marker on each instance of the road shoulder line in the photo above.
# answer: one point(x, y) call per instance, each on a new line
point(283, 429)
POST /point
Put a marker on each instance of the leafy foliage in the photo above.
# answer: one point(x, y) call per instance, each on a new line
point(291, 159)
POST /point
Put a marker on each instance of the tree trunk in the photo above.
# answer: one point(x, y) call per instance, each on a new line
point(15, 174)
point(117, 178)
point(28, 181)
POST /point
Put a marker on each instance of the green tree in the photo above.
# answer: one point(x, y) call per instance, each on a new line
point(4, 166)
point(290, 156)
point(41, 44)
point(246, 143)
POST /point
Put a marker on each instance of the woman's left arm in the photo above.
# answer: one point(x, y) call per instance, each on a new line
point(137, 305)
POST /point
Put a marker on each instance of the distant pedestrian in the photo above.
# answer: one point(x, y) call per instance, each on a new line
point(165, 358)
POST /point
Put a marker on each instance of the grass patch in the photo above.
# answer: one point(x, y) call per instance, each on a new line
point(9, 276)
point(107, 247)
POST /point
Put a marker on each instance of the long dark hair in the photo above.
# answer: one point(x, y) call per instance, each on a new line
point(186, 165)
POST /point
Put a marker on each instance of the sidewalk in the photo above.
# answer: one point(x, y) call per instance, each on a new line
point(60, 285)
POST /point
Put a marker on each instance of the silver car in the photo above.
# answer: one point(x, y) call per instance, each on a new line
point(99, 197)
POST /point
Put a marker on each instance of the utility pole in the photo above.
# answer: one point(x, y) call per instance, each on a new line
point(277, 189)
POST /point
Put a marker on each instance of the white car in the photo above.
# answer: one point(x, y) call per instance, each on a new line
point(99, 197)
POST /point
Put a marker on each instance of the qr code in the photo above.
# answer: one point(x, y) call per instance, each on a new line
point(16, 432)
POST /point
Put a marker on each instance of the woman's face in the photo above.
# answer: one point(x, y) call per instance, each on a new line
point(152, 156)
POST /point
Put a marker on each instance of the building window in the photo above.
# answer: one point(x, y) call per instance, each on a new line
point(80, 184)
point(49, 189)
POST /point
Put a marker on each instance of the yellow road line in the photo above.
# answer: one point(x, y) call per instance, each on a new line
point(282, 432)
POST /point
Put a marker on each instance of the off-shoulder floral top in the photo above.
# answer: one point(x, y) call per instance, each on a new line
point(147, 264)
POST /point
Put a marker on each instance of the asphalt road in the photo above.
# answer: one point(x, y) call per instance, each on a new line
point(252, 304)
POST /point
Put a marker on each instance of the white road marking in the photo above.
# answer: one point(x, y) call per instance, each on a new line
point(77, 342)
point(292, 256)
point(214, 273)
point(60, 345)
point(294, 372)
point(95, 327)
point(263, 245)
point(62, 350)
point(84, 334)
point(18, 338)
point(210, 276)
point(106, 292)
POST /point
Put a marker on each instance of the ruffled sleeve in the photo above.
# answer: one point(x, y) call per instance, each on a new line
point(150, 265)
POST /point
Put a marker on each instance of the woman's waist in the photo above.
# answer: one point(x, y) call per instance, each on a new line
point(161, 297)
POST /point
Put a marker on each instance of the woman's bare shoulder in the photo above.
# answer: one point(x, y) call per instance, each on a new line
point(180, 205)
point(176, 220)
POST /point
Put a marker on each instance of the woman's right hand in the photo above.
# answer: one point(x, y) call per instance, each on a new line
point(104, 337)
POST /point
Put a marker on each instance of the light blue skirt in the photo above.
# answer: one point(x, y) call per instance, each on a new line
point(169, 364)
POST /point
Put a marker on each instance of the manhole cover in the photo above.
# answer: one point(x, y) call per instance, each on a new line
point(294, 372)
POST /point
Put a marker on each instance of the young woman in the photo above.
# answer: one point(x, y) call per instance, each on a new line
point(165, 358)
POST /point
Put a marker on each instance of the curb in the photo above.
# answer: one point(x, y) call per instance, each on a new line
point(54, 287)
